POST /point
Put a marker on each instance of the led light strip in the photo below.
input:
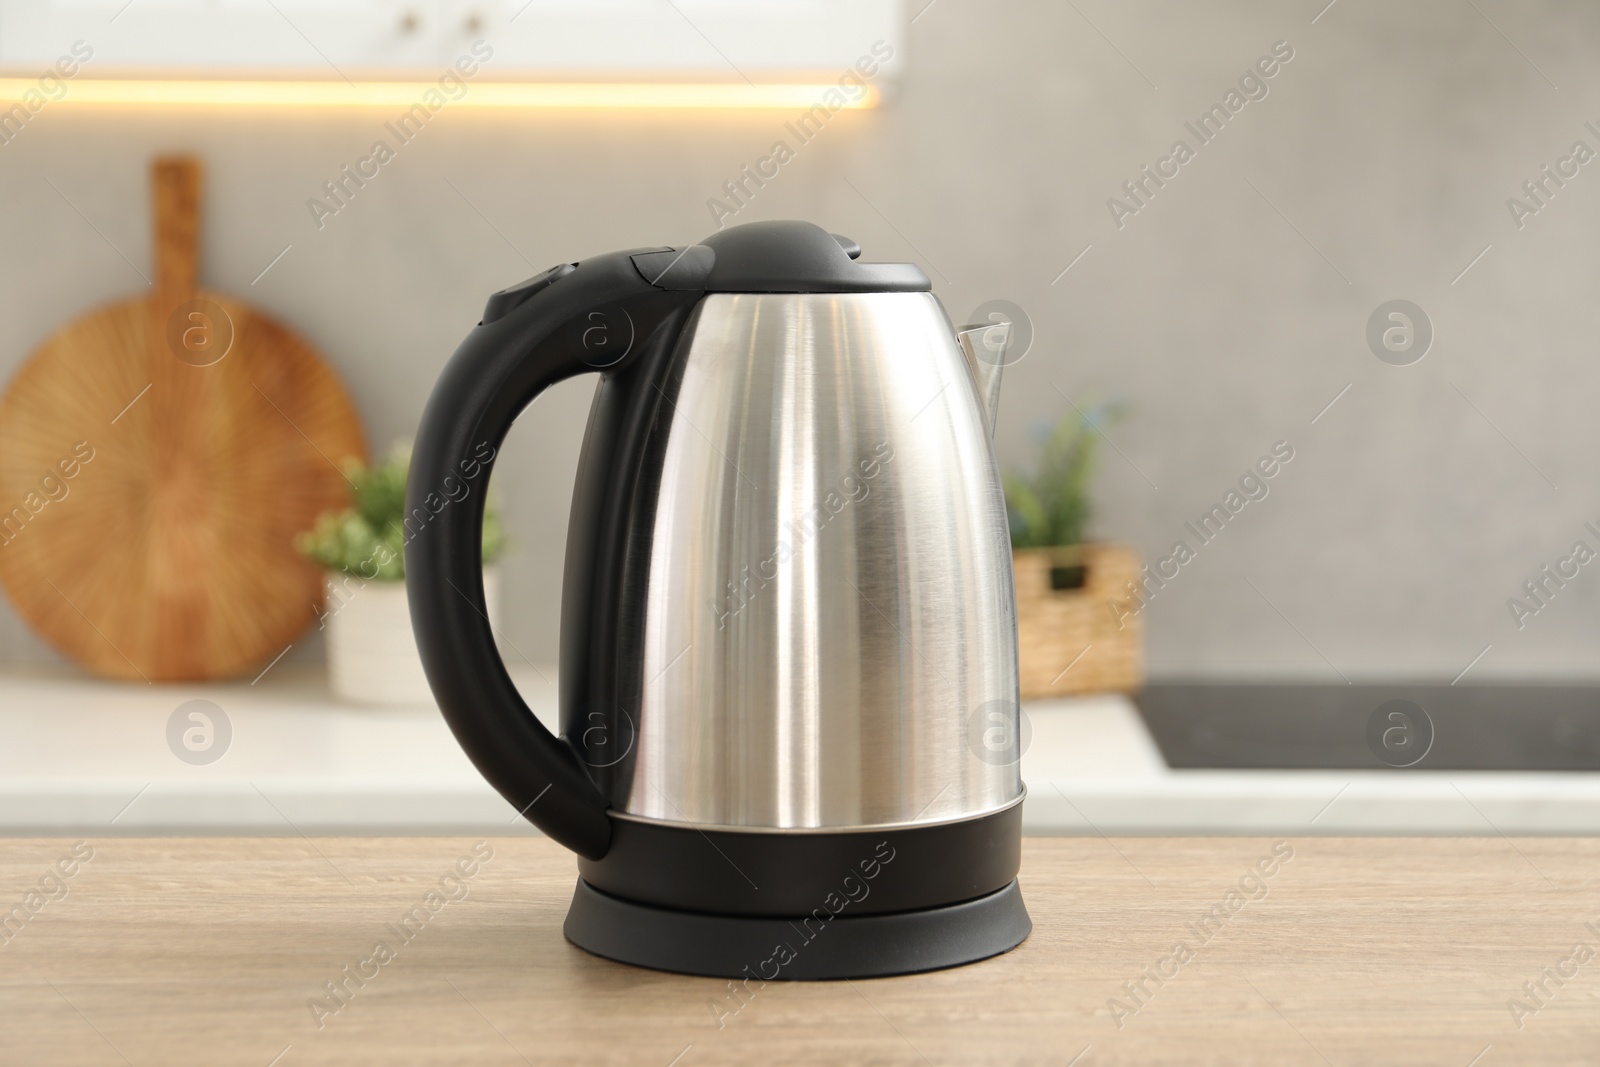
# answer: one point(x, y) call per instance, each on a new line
point(619, 95)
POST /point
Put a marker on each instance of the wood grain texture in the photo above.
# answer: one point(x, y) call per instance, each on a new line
point(200, 437)
point(1395, 951)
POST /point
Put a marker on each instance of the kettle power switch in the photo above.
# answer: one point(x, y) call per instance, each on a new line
point(683, 269)
point(500, 304)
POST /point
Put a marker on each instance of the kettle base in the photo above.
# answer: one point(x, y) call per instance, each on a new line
point(803, 948)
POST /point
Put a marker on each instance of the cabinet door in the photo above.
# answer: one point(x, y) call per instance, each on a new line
point(759, 39)
point(175, 38)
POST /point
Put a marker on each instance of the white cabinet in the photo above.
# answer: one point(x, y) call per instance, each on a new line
point(240, 37)
point(572, 39)
point(757, 38)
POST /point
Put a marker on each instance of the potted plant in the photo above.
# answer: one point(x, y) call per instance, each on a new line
point(1070, 637)
point(372, 655)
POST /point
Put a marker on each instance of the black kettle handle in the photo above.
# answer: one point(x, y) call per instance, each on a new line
point(571, 320)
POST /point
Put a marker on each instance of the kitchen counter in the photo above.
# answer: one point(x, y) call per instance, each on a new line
point(212, 951)
point(82, 756)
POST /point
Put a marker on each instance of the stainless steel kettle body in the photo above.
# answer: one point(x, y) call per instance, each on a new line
point(822, 601)
point(789, 667)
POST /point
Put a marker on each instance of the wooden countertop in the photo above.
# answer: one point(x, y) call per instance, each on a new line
point(208, 951)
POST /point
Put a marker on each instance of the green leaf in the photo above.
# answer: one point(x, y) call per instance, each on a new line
point(368, 538)
point(1029, 519)
point(1053, 506)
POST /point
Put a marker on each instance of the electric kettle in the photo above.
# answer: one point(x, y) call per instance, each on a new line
point(789, 740)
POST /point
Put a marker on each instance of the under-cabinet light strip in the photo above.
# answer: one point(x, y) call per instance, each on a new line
point(619, 95)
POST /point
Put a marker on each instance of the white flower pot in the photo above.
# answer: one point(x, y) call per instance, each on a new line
point(372, 653)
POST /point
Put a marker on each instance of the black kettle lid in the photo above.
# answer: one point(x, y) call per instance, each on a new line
point(780, 256)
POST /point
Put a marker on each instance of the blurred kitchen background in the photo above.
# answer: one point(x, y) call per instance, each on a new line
point(1228, 312)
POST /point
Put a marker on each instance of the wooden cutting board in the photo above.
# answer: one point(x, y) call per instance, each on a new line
point(157, 457)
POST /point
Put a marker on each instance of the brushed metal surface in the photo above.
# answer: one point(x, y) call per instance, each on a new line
point(984, 346)
point(828, 629)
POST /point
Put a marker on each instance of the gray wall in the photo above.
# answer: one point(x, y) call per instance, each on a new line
point(1228, 312)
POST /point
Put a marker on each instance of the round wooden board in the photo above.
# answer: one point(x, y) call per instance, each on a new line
point(149, 503)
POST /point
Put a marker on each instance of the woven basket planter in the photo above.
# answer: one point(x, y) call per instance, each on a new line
point(1069, 639)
